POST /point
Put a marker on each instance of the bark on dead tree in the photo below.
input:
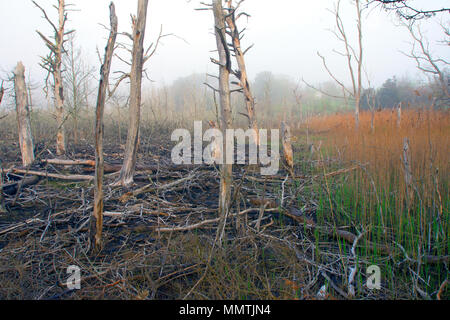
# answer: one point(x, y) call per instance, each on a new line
point(97, 217)
point(236, 37)
point(226, 170)
point(399, 115)
point(409, 185)
point(23, 116)
point(2, 92)
point(53, 64)
point(137, 65)
point(287, 147)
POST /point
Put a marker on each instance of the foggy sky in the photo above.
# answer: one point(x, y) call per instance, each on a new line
point(287, 35)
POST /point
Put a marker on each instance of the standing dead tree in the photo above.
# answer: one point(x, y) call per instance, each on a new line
point(137, 64)
point(352, 55)
point(138, 60)
point(52, 63)
point(23, 116)
point(426, 62)
point(288, 153)
point(409, 184)
point(224, 110)
point(97, 217)
point(2, 92)
point(239, 54)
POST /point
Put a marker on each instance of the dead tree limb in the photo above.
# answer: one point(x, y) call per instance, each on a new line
point(426, 62)
point(23, 116)
point(97, 217)
point(352, 56)
point(242, 73)
point(409, 11)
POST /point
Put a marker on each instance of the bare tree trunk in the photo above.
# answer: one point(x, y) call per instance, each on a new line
point(2, 92)
point(97, 217)
point(372, 120)
point(53, 63)
point(242, 74)
point(132, 144)
point(409, 186)
point(59, 90)
point(23, 116)
point(360, 64)
point(399, 115)
point(226, 170)
point(287, 147)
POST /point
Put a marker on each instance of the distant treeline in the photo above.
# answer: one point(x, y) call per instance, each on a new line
point(279, 95)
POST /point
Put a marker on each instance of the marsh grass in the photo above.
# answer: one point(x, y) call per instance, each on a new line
point(374, 198)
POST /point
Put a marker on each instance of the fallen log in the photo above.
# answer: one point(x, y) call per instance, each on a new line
point(70, 162)
point(54, 175)
point(11, 188)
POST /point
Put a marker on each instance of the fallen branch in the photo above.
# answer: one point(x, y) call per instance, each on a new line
point(21, 224)
point(70, 162)
point(54, 175)
point(151, 187)
point(207, 222)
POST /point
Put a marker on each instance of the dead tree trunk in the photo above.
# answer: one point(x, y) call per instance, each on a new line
point(53, 64)
point(97, 217)
point(2, 92)
point(23, 116)
point(409, 185)
point(359, 60)
point(137, 64)
point(226, 169)
point(287, 147)
point(242, 73)
point(399, 115)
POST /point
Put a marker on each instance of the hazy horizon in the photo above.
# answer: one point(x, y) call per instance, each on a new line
point(286, 38)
